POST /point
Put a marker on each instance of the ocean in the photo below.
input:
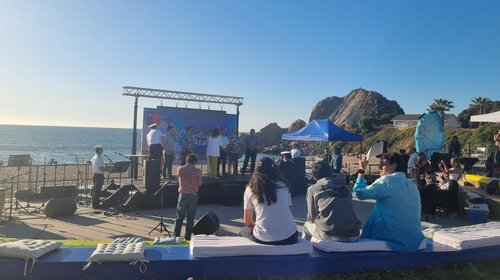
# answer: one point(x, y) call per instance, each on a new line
point(64, 144)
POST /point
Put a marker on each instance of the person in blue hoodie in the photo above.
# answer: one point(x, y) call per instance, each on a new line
point(395, 218)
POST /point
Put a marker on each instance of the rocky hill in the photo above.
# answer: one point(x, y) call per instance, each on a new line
point(347, 111)
point(344, 111)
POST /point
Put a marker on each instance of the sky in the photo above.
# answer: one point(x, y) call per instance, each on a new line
point(65, 62)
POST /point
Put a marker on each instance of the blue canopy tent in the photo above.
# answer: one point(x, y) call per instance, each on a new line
point(429, 135)
point(317, 130)
point(322, 130)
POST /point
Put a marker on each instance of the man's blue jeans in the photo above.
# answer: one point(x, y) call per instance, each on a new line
point(187, 202)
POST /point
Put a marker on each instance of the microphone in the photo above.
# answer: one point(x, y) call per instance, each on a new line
point(108, 158)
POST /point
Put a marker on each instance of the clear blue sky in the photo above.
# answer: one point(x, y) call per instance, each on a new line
point(65, 62)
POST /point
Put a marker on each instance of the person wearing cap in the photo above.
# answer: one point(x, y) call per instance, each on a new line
point(267, 195)
point(189, 184)
point(395, 217)
point(98, 177)
point(295, 150)
point(330, 212)
point(154, 142)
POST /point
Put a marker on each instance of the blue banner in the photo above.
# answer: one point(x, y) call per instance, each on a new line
point(202, 122)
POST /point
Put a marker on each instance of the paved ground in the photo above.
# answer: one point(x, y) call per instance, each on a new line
point(88, 224)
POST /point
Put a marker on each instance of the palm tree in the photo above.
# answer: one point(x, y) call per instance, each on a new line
point(441, 105)
point(480, 103)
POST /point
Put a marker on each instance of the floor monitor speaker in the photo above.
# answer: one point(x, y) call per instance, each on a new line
point(58, 207)
point(207, 224)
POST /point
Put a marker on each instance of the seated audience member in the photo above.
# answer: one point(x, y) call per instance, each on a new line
point(455, 171)
point(330, 213)
point(427, 195)
point(493, 163)
point(267, 195)
point(423, 166)
point(395, 218)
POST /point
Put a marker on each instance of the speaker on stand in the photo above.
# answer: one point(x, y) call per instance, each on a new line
point(152, 172)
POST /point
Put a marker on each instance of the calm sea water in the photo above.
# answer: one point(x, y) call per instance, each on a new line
point(64, 144)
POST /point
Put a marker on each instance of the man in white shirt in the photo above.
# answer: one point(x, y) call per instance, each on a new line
point(154, 142)
point(98, 178)
point(295, 150)
point(412, 165)
point(223, 154)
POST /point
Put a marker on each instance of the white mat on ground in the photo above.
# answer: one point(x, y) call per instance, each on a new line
point(361, 245)
point(467, 237)
point(221, 246)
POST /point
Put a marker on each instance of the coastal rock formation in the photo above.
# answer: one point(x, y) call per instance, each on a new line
point(297, 124)
point(271, 135)
point(347, 111)
point(324, 108)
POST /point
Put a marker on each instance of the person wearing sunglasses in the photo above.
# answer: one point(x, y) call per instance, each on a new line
point(395, 217)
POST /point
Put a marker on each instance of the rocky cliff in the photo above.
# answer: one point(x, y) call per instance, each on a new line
point(347, 111)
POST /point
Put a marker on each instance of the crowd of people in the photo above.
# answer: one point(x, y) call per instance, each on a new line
point(406, 179)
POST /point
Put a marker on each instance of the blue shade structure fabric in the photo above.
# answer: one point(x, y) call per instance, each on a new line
point(321, 130)
point(429, 135)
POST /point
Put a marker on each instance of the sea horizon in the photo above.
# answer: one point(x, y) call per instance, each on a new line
point(64, 144)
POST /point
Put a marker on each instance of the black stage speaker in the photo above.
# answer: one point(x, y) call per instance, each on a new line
point(207, 224)
point(299, 183)
point(133, 201)
point(152, 175)
point(57, 207)
point(118, 196)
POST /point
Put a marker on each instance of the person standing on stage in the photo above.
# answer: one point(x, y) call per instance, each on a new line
point(233, 152)
point(223, 153)
point(154, 142)
point(187, 144)
point(169, 141)
point(189, 183)
point(251, 142)
point(98, 178)
point(214, 145)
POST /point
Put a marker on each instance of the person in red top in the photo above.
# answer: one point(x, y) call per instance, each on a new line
point(189, 183)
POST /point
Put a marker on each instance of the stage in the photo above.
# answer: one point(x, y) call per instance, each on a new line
point(226, 190)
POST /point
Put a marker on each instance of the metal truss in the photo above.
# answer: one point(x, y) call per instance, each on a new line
point(182, 96)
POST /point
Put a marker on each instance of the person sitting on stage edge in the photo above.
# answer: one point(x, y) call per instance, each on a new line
point(395, 218)
point(169, 141)
point(98, 178)
point(330, 213)
point(154, 142)
point(189, 183)
point(268, 195)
